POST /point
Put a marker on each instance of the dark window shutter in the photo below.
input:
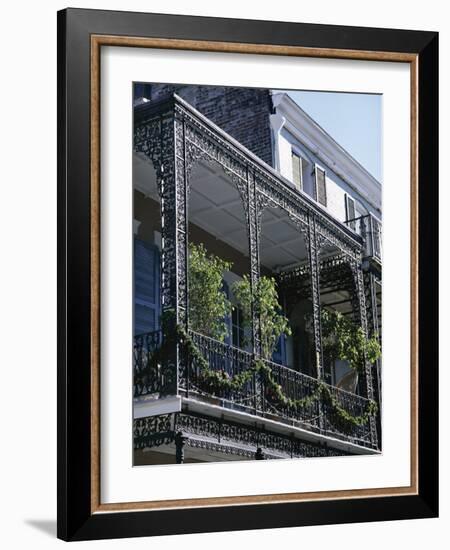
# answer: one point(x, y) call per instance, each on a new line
point(147, 293)
point(321, 188)
point(297, 171)
point(350, 211)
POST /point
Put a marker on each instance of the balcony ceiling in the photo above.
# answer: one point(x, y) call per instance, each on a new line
point(216, 207)
point(282, 244)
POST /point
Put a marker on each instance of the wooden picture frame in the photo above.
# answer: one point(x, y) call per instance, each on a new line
point(81, 35)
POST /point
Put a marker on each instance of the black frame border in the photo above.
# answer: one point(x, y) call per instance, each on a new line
point(75, 521)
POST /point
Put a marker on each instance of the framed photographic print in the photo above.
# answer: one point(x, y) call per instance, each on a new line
point(247, 274)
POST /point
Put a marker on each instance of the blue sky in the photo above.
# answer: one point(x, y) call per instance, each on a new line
point(353, 120)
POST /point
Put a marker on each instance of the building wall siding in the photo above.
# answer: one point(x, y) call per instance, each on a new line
point(335, 199)
point(336, 187)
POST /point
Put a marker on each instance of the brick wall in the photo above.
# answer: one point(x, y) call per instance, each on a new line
point(241, 112)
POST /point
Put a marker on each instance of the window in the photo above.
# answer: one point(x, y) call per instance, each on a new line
point(236, 334)
point(237, 329)
point(279, 354)
point(321, 187)
point(350, 211)
point(297, 170)
point(146, 287)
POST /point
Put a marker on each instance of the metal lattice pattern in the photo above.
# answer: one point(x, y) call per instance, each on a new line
point(220, 436)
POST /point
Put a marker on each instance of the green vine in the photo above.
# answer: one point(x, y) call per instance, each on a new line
point(222, 381)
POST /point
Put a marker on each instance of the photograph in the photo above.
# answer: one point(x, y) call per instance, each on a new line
point(257, 274)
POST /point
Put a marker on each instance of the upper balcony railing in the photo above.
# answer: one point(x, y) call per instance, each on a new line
point(254, 395)
point(369, 228)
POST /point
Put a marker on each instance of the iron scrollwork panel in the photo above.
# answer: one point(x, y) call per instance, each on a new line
point(157, 139)
point(254, 231)
point(314, 267)
point(360, 313)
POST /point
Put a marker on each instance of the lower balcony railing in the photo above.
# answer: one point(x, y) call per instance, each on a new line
point(274, 392)
point(151, 375)
point(224, 360)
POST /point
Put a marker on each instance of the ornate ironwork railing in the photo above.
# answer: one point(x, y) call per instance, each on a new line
point(254, 396)
point(355, 406)
point(316, 414)
point(150, 375)
point(258, 397)
point(228, 361)
point(297, 387)
point(369, 228)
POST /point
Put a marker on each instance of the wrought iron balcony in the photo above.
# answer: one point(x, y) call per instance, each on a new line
point(255, 396)
point(178, 143)
point(369, 228)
